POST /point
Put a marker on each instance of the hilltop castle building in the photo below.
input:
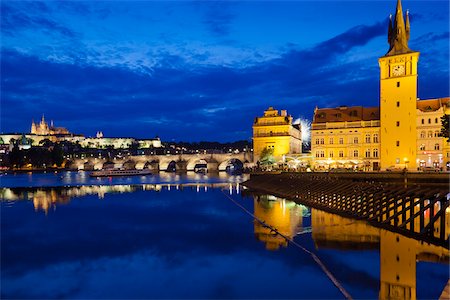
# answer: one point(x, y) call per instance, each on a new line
point(275, 131)
point(403, 132)
point(42, 128)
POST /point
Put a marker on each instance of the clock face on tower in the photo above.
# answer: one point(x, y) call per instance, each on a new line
point(398, 70)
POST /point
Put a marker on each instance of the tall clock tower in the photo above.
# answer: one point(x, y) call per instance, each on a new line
point(398, 96)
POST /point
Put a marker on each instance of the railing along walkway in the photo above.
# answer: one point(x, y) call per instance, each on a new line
point(419, 212)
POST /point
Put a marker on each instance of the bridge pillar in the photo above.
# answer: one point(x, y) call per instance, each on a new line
point(181, 166)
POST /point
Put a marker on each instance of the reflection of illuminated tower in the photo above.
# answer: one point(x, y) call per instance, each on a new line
point(397, 266)
point(398, 254)
point(285, 216)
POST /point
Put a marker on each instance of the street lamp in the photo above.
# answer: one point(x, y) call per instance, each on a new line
point(406, 162)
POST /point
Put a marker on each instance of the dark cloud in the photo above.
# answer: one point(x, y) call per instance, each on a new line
point(33, 15)
point(182, 101)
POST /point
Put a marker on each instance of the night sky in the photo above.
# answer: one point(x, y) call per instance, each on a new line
point(192, 71)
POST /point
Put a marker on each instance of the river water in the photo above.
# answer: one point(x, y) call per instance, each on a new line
point(66, 235)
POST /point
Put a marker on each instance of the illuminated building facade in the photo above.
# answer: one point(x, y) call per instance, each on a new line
point(432, 150)
point(403, 132)
point(42, 128)
point(346, 137)
point(275, 131)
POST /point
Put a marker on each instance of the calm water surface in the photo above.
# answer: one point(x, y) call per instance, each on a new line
point(67, 235)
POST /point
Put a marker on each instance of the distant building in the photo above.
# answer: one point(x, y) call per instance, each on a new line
point(42, 128)
point(275, 131)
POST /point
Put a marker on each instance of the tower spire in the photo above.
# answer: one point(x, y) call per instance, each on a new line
point(398, 39)
point(408, 28)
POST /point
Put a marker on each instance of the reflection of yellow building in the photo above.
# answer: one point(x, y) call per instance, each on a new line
point(275, 131)
point(401, 133)
point(398, 254)
point(285, 216)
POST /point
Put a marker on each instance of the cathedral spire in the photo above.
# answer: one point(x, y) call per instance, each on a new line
point(398, 34)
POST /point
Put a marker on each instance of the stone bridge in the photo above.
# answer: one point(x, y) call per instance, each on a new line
point(169, 162)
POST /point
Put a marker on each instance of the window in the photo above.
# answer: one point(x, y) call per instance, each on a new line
point(322, 141)
point(436, 133)
point(422, 147)
point(317, 141)
point(398, 103)
point(341, 153)
point(355, 140)
point(317, 153)
point(368, 153)
point(375, 152)
point(423, 134)
point(331, 154)
point(322, 153)
point(398, 84)
point(331, 141)
point(429, 121)
point(436, 147)
point(398, 143)
point(367, 138)
point(398, 123)
point(375, 137)
point(353, 113)
point(423, 121)
point(355, 153)
point(436, 120)
point(338, 115)
point(341, 140)
point(430, 133)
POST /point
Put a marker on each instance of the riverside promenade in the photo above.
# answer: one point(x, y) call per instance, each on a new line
point(413, 204)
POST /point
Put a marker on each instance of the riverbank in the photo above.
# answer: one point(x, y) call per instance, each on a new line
point(381, 177)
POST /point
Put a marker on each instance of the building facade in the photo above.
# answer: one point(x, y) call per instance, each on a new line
point(346, 137)
point(403, 132)
point(42, 128)
point(275, 131)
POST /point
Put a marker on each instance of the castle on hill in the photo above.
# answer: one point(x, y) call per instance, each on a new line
point(42, 128)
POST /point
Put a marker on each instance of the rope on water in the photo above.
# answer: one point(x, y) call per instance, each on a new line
point(314, 256)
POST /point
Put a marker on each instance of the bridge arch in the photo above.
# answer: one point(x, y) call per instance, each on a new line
point(88, 166)
point(108, 165)
point(231, 165)
point(129, 165)
point(199, 162)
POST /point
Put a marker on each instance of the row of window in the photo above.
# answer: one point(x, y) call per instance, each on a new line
point(355, 153)
point(354, 140)
point(436, 147)
point(423, 134)
point(436, 120)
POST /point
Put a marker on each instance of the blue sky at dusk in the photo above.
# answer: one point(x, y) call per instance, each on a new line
point(196, 71)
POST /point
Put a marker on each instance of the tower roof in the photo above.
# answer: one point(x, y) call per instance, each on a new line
point(398, 33)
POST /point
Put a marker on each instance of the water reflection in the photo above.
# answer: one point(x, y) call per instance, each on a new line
point(46, 199)
point(75, 178)
point(282, 214)
point(398, 254)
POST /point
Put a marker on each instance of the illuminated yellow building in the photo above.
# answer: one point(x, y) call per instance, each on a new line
point(275, 131)
point(403, 132)
point(346, 137)
point(398, 96)
point(432, 150)
point(42, 128)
